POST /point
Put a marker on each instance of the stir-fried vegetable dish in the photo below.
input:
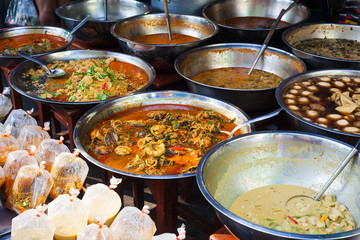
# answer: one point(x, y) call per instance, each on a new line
point(162, 139)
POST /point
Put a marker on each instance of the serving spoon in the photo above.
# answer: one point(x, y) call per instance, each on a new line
point(338, 170)
point(78, 26)
point(167, 15)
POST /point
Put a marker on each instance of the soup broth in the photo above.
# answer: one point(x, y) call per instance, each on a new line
point(251, 22)
point(163, 38)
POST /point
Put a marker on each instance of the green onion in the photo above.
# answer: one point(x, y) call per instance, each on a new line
point(101, 96)
point(33, 78)
point(54, 94)
point(71, 98)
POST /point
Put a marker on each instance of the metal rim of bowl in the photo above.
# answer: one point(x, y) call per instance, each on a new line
point(123, 21)
point(234, 45)
point(59, 9)
point(318, 74)
point(289, 31)
point(215, 204)
point(69, 104)
point(89, 114)
point(14, 29)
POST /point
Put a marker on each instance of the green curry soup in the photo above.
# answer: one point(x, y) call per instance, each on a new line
point(266, 206)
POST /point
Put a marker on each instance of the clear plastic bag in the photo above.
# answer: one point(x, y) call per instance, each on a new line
point(22, 13)
point(69, 215)
point(133, 224)
point(33, 135)
point(97, 231)
point(14, 162)
point(8, 144)
point(5, 104)
point(69, 171)
point(2, 128)
point(172, 236)
point(32, 224)
point(48, 150)
point(31, 188)
point(17, 119)
point(102, 200)
point(2, 177)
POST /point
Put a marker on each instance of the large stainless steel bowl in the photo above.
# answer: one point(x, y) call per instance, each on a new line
point(298, 123)
point(259, 159)
point(99, 112)
point(162, 56)
point(187, 7)
point(274, 60)
point(323, 30)
point(96, 31)
point(29, 89)
point(11, 61)
point(224, 9)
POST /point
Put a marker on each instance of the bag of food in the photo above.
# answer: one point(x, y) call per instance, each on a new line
point(8, 144)
point(133, 224)
point(31, 188)
point(5, 104)
point(69, 171)
point(97, 231)
point(48, 150)
point(69, 215)
point(17, 119)
point(2, 177)
point(21, 13)
point(102, 200)
point(172, 236)
point(33, 135)
point(14, 162)
point(32, 224)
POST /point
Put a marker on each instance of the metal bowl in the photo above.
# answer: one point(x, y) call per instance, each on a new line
point(99, 112)
point(96, 31)
point(162, 56)
point(11, 61)
point(274, 60)
point(225, 9)
point(187, 7)
point(298, 123)
point(249, 161)
point(25, 85)
point(323, 30)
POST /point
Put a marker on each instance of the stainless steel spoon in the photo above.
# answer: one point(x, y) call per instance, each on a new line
point(167, 15)
point(338, 170)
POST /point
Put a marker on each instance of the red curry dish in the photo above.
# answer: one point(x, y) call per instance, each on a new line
point(160, 139)
point(163, 38)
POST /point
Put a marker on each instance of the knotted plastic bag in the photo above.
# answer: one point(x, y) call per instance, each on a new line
point(5, 104)
point(69, 215)
point(97, 231)
point(133, 224)
point(33, 135)
point(69, 171)
point(102, 200)
point(32, 224)
point(49, 149)
point(2, 177)
point(172, 236)
point(14, 162)
point(17, 119)
point(8, 144)
point(31, 188)
point(22, 13)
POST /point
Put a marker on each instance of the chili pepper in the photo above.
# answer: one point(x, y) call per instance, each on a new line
point(293, 220)
point(323, 218)
point(177, 149)
point(104, 86)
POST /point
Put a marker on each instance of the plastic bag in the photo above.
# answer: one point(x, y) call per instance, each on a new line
point(5, 104)
point(133, 224)
point(172, 236)
point(69, 171)
point(17, 119)
point(33, 135)
point(22, 13)
point(14, 162)
point(69, 215)
point(2, 128)
point(97, 231)
point(2, 177)
point(31, 188)
point(8, 144)
point(32, 224)
point(48, 150)
point(102, 200)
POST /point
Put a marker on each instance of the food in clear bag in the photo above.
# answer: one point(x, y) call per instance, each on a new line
point(17, 119)
point(2, 177)
point(172, 236)
point(69, 215)
point(102, 200)
point(33, 135)
point(14, 162)
point(32, 224)
point(49, 149)
point(5, 104)
point(21, 13)
point(2, 128)
point(8, 144)
point(31, 188)
point(133, 224)
point(97, 231)
point(69, 171)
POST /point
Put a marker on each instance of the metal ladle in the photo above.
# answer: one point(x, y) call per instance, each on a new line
point(338, 170)
point(167, 15)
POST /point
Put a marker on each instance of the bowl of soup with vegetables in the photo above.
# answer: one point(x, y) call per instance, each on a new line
point(249, 179)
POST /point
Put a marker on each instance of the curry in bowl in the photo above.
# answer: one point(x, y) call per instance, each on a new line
point(163, 38)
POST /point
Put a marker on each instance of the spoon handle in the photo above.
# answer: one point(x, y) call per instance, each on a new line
point(79, 25)
point(35, 60)
point(167, 15)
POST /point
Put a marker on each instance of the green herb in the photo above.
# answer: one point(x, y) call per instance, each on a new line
point(71, 98)
point(54, 94)
point(33, 78)
point(101, 96)
point(273, 225)
point(67, 83)
point(269, 219)
point(107, 94)
point(73, 59)
point(79, 73)
point(102, 62)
